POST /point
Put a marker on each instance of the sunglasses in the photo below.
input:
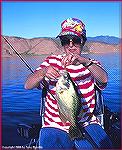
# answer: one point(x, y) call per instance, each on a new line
point(65, 40)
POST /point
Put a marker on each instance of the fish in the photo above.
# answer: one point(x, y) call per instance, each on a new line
point(69, 104)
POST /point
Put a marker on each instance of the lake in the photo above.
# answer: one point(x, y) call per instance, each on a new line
point(23, 106)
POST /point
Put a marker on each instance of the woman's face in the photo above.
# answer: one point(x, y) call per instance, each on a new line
point(72, 44)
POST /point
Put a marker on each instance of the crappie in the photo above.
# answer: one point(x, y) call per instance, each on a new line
point(68, 103)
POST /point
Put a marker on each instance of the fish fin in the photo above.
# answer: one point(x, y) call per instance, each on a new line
point(63, 118)
point(75, 133)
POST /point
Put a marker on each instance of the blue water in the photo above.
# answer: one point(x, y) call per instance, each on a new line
point(23, 106)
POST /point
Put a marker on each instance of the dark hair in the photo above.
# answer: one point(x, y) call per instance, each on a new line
point(84, 40)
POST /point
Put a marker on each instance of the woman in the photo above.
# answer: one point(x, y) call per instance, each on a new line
point(86, 73)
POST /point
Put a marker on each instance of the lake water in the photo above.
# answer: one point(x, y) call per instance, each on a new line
point(23, 106)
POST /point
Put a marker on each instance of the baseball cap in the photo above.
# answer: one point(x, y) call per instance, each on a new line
point(73, 26)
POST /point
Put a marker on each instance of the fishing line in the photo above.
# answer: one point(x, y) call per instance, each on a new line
point(25, 62)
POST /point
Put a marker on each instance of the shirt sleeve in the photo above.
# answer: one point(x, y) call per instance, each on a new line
point(45, 63)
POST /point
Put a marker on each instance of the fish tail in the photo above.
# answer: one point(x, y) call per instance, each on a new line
point(75, 133)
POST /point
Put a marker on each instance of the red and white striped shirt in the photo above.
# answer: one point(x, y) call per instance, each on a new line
point(85, 84)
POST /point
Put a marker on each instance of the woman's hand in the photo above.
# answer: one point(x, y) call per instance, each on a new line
point(52, 72)
point(74, 59)
point(68, 60)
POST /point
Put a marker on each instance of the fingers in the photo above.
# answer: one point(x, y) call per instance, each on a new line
point(52, 73)
point(68, 60)
point(50, 76)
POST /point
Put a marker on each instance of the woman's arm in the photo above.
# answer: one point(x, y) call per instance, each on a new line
point(34, 79)
point(98, 72)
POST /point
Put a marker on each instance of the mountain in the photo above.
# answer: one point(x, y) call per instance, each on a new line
point(48, 45)
point(105, 39)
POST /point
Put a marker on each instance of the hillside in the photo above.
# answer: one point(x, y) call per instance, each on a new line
point(40, 46)
point(105, 39)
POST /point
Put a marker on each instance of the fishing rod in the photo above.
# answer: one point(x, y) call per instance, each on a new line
point(25, 62)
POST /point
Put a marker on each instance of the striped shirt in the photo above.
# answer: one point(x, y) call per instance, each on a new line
point(85, 84)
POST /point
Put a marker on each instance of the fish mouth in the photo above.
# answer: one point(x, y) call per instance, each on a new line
point(63, 72)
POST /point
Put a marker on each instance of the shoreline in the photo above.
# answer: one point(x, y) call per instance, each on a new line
point(44, 55)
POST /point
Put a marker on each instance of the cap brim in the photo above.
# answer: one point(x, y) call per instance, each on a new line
point(66, 33)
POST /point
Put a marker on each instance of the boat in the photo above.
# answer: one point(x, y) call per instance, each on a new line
point(111, 126)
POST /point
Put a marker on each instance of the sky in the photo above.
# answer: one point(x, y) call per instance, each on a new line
point(43, 19)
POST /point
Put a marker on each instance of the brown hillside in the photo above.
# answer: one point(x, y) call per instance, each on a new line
point(39, 46)
point(96, 47)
